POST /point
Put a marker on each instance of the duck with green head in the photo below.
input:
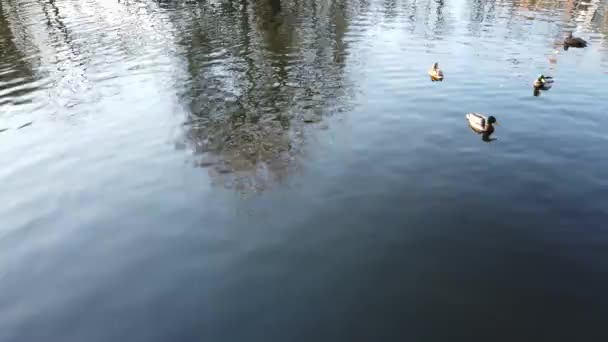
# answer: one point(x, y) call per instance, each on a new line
point(485, 135)
point(489, 127)
point(543, 82)
point(481, 124)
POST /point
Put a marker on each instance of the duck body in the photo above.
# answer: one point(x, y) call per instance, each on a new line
point(480, 123)
point(543, 82)
point(436, 73)
point(575, 42)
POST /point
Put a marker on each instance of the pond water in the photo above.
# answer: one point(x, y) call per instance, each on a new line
point(286, 171)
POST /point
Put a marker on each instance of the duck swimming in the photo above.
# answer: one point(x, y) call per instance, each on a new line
point(436, 73)
point(543, 82)
point(575, 42)
point(481, 124)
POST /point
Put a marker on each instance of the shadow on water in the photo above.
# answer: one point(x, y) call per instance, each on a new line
point(259, 72)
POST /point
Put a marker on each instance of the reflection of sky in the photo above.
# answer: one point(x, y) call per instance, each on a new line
point(522, 40)
point(77, 41)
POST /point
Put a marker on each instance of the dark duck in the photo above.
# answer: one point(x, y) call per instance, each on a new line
point(543, 82)
point(575, 42)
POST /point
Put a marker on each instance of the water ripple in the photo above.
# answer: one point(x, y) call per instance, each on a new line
point(196, 163)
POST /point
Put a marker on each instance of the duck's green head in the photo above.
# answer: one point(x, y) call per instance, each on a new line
point(491, 120)
point(541, 78)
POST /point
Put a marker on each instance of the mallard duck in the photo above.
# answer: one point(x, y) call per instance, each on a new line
point(481, 124)
point(543, 82)
point(436, 73)
point(575, 42)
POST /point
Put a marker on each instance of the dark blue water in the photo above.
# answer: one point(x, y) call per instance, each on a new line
point(285, 171)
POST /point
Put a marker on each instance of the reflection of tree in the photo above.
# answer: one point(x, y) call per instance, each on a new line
point(587, 13)
point(440, 19)
point(602, 19)
point(258, 71)
point(481, 11)
point(412, 9)
point(60, 33)
point(564, 16)
point(15, 70)
point(68, 55)
point(390, 7)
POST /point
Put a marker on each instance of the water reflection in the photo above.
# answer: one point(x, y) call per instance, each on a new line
point(16, 70)
point(258, 73)
point(481, 11)
point(439, 26)
point(104, 219)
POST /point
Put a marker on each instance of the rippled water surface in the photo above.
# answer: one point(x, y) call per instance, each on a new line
point(284, 170)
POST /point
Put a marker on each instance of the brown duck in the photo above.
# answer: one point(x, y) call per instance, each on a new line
point(575, 42)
